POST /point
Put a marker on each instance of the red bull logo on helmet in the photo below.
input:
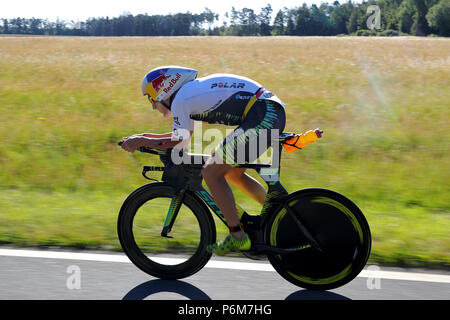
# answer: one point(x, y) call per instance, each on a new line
point(172, 82)
point(158, 83)
point(156, 79)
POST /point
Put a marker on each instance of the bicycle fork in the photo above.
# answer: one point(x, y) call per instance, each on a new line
point(174, 208)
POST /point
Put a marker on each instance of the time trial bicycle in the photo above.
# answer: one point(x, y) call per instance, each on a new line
point(314, 238)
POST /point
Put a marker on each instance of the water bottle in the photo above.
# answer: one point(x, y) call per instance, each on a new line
point(302, 140)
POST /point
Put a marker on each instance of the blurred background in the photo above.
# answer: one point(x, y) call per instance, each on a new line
point(70, 90)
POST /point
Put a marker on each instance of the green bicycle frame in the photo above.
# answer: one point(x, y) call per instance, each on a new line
point(269, 175)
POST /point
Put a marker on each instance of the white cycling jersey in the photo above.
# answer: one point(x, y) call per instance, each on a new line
point(217, 98)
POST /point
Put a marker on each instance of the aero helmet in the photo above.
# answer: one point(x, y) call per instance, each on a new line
point(160, 83)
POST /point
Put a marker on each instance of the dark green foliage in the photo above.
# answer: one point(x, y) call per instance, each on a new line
point(438, 18)
point(415, 17)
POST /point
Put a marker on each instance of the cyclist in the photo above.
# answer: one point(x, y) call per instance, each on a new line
point(218, 98)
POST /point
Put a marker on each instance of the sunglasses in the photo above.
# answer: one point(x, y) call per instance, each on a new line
point(150, 99)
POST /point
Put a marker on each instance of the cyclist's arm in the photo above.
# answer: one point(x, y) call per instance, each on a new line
point(155, 135)
point(164, 143)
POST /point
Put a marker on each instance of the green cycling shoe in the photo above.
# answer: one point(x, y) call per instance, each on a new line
point(230, 244)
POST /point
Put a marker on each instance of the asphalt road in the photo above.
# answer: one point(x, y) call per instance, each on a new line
point(62, 275)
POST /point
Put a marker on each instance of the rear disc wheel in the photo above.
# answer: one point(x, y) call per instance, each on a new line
point(338, 226)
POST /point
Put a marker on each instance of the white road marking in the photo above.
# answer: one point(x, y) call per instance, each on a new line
point(249, 266)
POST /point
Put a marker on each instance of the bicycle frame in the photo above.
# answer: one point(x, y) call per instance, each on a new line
point(185, 177)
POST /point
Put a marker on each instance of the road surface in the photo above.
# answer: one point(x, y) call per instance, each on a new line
point(33, 274)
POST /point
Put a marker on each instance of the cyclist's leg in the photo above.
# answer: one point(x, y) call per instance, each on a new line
point(237, 148)
point(214, 176)
point(250, 186)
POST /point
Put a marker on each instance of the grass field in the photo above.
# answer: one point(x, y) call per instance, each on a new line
point(383, 103)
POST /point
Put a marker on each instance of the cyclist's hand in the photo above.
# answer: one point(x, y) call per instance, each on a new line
point(132, 143)
point(123, 140)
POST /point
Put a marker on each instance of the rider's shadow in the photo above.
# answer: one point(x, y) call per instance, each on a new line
point(151, 287)
point(315, 295)
point(191, 292)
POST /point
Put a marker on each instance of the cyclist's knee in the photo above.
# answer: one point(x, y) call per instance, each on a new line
point(234, 174)
point(214, 170)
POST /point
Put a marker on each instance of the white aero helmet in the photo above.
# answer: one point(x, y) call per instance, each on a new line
point(160, 83)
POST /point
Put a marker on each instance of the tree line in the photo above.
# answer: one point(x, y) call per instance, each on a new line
point(397, 17)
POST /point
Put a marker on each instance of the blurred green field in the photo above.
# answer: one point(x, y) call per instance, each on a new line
point(383, 103)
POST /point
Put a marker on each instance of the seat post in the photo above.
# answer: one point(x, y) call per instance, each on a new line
point(276, 152)
point(271, 175)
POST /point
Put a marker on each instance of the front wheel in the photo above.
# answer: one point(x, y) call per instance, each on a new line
point(141, 221)
point(338, 227)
